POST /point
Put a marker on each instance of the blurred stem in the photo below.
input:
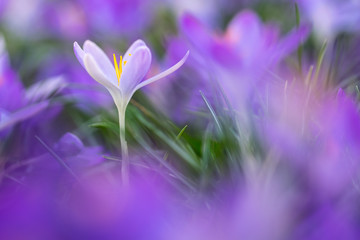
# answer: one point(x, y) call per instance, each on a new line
point(124, 148)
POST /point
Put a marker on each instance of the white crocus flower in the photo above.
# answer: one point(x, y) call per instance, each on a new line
point(122, 80)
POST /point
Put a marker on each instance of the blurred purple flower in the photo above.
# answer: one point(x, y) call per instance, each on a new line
point(23, 18)
point(69, 19)
point(237, 60)
point(30, 192)
point(244, 212)
point(331, 17)
point(41, 18)
point(316, 134)
point(65, 19)
point(179, 96)
point(246, 43)
point(76, 85)
point(96, 207)
point(66, 159)
point(118, 17)
point(13, 103)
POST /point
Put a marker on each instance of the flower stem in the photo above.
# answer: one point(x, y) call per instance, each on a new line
point(124, 149)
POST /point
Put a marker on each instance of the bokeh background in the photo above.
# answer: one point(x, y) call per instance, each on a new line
point(256, 136)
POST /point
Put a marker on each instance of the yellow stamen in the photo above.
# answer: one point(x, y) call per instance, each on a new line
point(126, 61)
point(120, 65)
point(118, 74)
point(118, 68)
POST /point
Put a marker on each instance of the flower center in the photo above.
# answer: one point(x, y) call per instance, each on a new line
point(118, 68)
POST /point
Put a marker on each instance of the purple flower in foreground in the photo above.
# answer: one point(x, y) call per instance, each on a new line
point(30, 193)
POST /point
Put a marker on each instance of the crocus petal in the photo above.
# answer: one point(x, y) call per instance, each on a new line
point(163, 74)
point(270, 35)
point(244, 33)
point(134, 71)
point(11, 90)
point(138, 43)
point(23, 114)
point(244, 26)
point(95, 72)
point(197, 33)
point(44, 89)
point(101, 59)
point(79, 53)
point(291, 42)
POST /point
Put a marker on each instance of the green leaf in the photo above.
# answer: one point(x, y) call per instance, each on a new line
point(320, 61)
point(183, 150)
point(211, 111)
point(107, 125)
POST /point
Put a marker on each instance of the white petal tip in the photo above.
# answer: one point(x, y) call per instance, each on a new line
point(76, 46)
point(88, 43)
point(183, 60)
point(140, 41)
point(186, 55)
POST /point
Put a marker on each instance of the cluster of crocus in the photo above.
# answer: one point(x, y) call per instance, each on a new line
point(243, 55)
point(252, 133)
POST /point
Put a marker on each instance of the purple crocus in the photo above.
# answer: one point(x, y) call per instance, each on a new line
point(13, 102)
point(247, 42)
point(137, 61)
point(76, 85)
point(121, 80)
point(242, 56)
